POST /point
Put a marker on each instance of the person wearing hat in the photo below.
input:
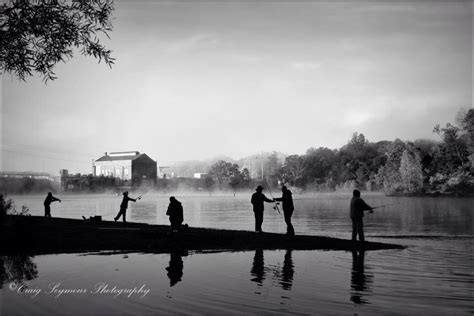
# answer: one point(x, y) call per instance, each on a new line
point(288, 208)
point(124, 206)
point(257, 201)
point(357, 207)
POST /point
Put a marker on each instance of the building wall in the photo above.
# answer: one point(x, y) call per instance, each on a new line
point(121, 169)
point(144, 170)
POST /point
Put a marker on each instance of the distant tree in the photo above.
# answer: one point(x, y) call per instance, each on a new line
point(225, 172)
point(245, 178)
point(389, 174)
point(411, 170)
point(318, 163)
point(272, 168)
point(467, 126)
point(208, 183)
point(36, 35)
point(359, 159)
point(453, 151)
point(292, 170)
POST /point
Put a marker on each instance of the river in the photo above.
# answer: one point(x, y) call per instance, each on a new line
point(432, 276)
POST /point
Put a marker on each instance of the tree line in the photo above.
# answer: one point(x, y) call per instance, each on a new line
point(396, 167)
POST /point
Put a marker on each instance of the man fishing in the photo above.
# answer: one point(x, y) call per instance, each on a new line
point(124, 206)
point(288, 208)
point(175, 213)
point(357, 208)
point(257, 201)
point(47, 204)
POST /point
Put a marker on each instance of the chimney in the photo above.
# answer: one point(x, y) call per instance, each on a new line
point(105, 153)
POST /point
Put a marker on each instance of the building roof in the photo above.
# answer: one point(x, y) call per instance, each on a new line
point(127, 155)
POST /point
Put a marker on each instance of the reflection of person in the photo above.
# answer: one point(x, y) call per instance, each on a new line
point(358, 206)
point(359, 279)
point(257, 201)
point(288, 209)
point(47, 204)
point(175, 268)
point(175, 213)
point(124, 206)
point(258, 270)
point(287, 272)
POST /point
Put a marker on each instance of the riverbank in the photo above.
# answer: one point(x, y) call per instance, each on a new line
point(40, 235)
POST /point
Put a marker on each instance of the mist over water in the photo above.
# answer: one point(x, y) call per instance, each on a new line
point(432, 276)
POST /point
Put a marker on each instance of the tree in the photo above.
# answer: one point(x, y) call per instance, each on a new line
point(389, 174)
point(225, 172)
point(318, 164)
point(453, 152)
point(272, 166)
point(292, 170)
point(411, 170)
point(36, 35)
point(208, 183)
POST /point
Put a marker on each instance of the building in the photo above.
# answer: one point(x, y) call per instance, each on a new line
point(200, 175)
point(131, 168)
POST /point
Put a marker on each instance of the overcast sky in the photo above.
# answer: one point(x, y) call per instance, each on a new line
point(193, 80)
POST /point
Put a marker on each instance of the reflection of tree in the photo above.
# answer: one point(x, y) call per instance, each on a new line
point(258, 269)
point(17, 268)
point(359, 279)
point(175, 269)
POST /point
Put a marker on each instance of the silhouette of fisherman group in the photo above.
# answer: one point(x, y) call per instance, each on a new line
point(359, 279)
point(176, 214)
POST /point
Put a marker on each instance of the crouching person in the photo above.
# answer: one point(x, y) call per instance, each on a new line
point(175, 213)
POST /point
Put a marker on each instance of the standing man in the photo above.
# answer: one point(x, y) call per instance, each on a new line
point(124, 206)
point(257, 201)
point(47, 204)
point(358, 206)
point(288, 209)
point(175, 213)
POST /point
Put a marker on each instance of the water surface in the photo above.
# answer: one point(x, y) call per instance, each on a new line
point(433, 276)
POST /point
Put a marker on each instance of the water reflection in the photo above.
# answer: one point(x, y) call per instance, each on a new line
point(17, 268)
point(360, 280)
point(284, 275)
point(287, 271)
point(175, 268)
point(258, 268)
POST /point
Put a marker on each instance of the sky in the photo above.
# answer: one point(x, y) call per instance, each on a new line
point(194, 80)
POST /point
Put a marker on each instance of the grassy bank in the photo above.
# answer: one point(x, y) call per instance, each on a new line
point(40, 235)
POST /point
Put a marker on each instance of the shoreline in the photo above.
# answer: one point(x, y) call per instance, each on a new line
point(40, 235)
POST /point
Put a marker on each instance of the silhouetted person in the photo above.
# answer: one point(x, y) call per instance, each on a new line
point(47, 204)
point(175, 268)
point(124, 206)
point(359, 279)
point(358, 206)
point(175, 213)
point(257, 201)
point(288, 208)
point(287, 272)
point(258, 270)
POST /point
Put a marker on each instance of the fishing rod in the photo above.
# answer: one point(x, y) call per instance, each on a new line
point(141, 195)
point(270, 191)
point(383, 206)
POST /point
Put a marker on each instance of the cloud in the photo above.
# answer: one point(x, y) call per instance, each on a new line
point(305, 66)
point(245, 58)
point(192, 42)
